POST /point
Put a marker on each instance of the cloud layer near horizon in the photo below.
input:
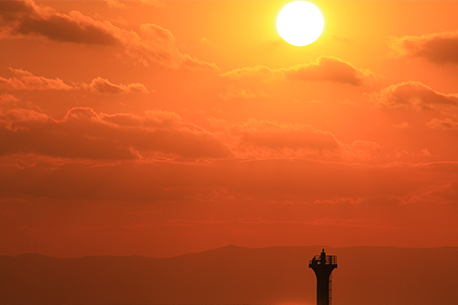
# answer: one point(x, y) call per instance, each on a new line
point(85, 134)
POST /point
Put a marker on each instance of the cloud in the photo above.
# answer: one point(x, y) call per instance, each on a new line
point(122, 4)
point(29, 19)
point(24, 80)
point(152, 44)
point(231, 93)
point(264, 181)
point(330, 69)
point(103, 86)
point(75, 28)
point(438, 48)
point(361, 151)
point(415, 95)
point(11, 10)
point(206, 42)
point(447, 193)
point(445, 124)
point(115, 4)
point(267, 139)
point(444, 192)
point(403, 125)
point(10, 106)
point(85, 134)
point(258, 72)
point(196, 64)
point(7, 98)
point(425, 152)
point(151, 119)
point(324, 69)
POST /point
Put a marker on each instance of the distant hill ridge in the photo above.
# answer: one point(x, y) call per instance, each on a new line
point(235, 275)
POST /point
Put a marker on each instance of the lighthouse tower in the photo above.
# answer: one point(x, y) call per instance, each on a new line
point(323, 265)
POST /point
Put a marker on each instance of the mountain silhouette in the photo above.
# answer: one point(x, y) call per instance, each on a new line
point(235, 275)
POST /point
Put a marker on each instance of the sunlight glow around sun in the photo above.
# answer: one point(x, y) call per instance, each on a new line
point(300, 23)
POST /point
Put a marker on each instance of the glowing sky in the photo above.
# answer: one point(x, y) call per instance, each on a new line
point(163, 127)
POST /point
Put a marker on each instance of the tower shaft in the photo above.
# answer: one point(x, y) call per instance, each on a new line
point(323, 265)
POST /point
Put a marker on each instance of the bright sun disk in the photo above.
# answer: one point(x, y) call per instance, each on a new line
point(300, 23)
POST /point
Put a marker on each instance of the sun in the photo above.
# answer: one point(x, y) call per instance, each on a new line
point(300, 23)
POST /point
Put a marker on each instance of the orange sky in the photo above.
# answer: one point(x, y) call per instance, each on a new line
point(159, 128)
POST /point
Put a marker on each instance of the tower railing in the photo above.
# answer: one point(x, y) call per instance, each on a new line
point(329, 260)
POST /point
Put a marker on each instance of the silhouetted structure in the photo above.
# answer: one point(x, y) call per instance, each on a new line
point(323, 265)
